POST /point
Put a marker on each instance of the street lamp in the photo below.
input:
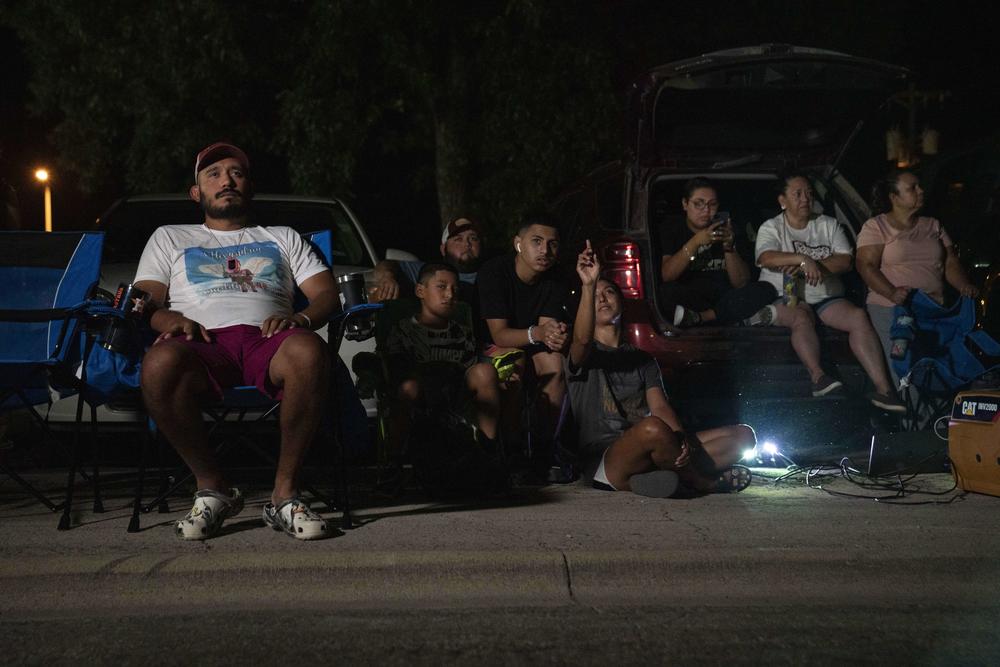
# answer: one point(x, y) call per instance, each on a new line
point(42, 175)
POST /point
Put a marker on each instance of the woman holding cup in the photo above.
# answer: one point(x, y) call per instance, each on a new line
point(802, 255)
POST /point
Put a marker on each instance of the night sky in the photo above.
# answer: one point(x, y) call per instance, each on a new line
point(950, 46)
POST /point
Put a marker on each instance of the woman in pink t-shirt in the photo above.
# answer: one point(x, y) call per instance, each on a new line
point(899, 251)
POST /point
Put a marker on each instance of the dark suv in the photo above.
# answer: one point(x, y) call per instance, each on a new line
point(739, 117)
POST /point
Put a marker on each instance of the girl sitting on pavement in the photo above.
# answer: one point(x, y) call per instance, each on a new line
point(629, 436)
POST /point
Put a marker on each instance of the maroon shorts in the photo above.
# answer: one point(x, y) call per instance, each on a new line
point(238, 356)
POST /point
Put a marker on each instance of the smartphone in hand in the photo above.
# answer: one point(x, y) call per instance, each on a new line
point(722, 219)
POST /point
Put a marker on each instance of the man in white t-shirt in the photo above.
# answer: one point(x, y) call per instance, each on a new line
point(222, 294)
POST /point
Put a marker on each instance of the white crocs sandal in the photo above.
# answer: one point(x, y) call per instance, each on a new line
point(297, 519)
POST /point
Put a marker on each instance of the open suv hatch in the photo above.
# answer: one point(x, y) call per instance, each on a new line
point(739, 117)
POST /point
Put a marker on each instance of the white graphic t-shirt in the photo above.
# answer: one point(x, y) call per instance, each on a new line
point(822, 237)
point(220, 279)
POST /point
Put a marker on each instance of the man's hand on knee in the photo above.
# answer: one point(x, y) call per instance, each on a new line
point(182, 326)
point(276, 323)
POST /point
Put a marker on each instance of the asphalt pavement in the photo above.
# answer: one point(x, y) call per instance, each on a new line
point(555, 575)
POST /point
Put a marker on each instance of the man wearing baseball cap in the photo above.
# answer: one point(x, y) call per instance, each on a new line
point(222, 294)
point(461, 246)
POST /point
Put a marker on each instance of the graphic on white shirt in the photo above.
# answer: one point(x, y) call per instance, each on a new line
point(250, 267)
point(818, 252)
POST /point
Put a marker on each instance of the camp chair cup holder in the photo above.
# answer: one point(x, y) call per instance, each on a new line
point(118, 333)
point(352, 294)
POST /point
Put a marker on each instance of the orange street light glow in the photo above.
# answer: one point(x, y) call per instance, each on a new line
point(42, 174)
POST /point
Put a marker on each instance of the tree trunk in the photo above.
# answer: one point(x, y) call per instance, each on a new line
point(452, 153)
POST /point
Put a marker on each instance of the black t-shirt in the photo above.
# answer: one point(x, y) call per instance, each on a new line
point(708, 259)
point(503, 296)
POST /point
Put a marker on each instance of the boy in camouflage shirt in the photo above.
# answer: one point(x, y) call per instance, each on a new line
point(430, 351)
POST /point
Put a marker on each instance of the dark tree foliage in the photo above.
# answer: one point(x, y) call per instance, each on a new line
point(507, 100)
point(493, 104)
point(133, 89)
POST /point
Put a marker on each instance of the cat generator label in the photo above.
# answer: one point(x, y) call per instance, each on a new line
point(976, 408)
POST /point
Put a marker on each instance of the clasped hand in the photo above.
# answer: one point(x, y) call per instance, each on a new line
point(552, 333)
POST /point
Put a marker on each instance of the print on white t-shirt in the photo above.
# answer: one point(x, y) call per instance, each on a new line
point(250, 267)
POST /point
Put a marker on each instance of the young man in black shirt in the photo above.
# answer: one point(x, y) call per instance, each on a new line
point(522, 301)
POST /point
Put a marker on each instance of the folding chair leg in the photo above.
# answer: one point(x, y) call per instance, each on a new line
point(343, 488)
point(133, 524)
point(26, 485)
point(95, 453)
point(64, 520)
point(163, 507)
point(168, 485)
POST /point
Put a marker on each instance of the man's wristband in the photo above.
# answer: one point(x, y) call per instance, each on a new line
point(309, 322)
point(531, 339)
point(687, 253)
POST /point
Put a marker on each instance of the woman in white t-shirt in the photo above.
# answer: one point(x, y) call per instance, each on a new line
point(814, 250)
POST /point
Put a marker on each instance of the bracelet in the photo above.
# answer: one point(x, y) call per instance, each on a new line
point(309, 322)
point(687, 253)
point(531, 339)
point(802, 264)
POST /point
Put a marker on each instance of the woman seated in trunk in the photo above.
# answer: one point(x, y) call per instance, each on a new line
point(802, 255)
point(704, 278)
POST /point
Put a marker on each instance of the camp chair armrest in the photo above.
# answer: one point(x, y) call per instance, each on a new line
point(36, 315)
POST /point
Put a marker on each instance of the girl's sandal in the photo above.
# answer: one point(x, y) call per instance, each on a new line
point(733, 479)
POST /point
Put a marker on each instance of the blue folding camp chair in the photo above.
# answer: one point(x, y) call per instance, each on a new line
point(248, 405)
point(46, 280)
point(944, 354)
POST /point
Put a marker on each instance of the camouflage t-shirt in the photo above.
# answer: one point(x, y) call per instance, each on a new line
point(420, 344)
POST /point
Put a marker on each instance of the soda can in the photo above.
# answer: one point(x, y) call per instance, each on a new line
point(791, 289)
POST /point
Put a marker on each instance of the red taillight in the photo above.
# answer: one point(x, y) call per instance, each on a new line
point(621, 264)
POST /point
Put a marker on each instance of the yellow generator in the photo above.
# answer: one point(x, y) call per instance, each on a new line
point(974, 441)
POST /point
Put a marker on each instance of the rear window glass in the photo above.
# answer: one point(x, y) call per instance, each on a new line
point(128, 226)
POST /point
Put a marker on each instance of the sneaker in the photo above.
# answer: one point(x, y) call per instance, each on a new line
point(506, 363)
point(210, 509)
point(684, 317)
point(825, 384)
point(762, 318)
point(295, 518)
point(889, 402)
point(655, 484)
